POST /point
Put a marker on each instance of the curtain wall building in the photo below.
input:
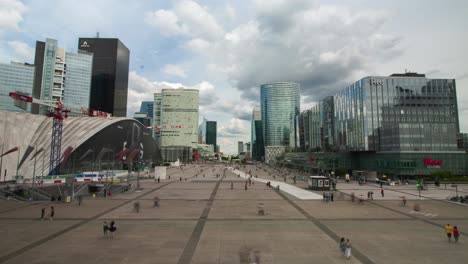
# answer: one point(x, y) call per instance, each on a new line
point(258, 148)
point(60, 75)
point(402, 125)
point(109, 87)
point(279, 104)
point(15, 77)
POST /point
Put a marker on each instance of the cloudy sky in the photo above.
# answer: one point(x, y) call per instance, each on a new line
point(226, 49)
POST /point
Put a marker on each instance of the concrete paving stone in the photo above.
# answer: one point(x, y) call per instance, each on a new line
point(169, 209)
point(400, 241)
point(347, 210)
point(251, 194)
point(274, 242)
point(10, 205)
point(191, 186)
point(247, 209)
point(17, 234)
point(89, 208)
point(179, 194)
point(142, 242)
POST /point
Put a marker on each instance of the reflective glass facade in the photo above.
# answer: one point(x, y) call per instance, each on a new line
point(397, 113)
point(279, 104)
point(109, 87)
point(77, 84)
point(15, 77)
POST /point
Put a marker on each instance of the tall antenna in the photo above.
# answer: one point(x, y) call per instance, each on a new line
point(97, 34)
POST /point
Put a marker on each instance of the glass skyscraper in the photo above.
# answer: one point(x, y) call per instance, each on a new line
point(279, 104)
point(258, 149)
point(402, 112)
point(15, 77)
point(77, 84)
point(109, 84)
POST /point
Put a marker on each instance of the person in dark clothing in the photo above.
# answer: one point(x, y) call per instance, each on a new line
point(42, 213)
point(105, 228)
point(112, 228)
point(52, 213)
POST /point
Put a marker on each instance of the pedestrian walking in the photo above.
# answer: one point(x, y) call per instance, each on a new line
point(368, 195)
point(159, 179)
point(245, 186)
point(448, 230)
point(156, 202)
point(105, 228)
point(136, 207)
point(42, 213)
point(52, 213)
point(80, 200)
point(343, 246)
point(371, 195)
point(112, 228)
point(382, 192)
point(456, 234)
point(348, 249)
point(332, 197)
point(232, 185)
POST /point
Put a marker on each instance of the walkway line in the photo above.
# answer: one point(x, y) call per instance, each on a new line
point(190, 247)
point(356, 253)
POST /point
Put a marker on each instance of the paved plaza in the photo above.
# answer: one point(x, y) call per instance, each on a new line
point(202, 220)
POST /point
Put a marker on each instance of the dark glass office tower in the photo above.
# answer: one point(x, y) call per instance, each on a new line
point(109, 86)
point(211, 134)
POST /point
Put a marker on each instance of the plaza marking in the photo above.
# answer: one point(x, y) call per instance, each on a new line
point(190, 247)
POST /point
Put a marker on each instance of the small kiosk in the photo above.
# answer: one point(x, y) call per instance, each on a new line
point(319, 183)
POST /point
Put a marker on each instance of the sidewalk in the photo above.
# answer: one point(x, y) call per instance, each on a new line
point(292, 190)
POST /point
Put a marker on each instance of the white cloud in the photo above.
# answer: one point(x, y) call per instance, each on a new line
point(187, 18)
point(21, 51)
point(174, 70)
point(11, 14)
point(167, 22)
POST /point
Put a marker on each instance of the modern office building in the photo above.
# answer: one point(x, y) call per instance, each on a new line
point(207, 133)
point(178, 118)
point(15, 77)
point(403, 125)
point(157, 118)
point(258, 148)
point(240, 147)
point(109, 85)
point(211, 134)
point(61, 76)
point(77, 82)
point(279, 104)
point(148, 107)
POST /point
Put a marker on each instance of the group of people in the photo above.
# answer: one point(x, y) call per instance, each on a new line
point(49, 215)
point(449, 230)
point(328, 197)
point(109, 228)
point(345, 247)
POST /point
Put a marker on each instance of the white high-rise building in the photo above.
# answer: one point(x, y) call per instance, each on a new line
point(178, 117)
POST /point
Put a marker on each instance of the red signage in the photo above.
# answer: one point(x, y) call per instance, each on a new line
point(432, 163)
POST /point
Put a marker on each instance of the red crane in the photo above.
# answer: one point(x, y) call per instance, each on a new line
point(58, 114)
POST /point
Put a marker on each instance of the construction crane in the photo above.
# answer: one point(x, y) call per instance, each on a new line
point(58, 113)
